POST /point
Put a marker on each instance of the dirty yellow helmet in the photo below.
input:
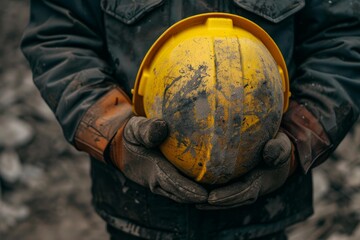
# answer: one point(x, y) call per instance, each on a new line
point(221, 84)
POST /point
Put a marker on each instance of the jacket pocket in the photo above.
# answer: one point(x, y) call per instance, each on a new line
point(272, 10)
point(129, 11)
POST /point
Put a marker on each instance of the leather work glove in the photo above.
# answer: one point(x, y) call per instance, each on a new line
point(278, 164)
point(133, 151)
point(309, 142)
point(109, 132)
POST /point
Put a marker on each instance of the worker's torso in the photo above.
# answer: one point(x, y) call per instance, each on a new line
point(131, 27)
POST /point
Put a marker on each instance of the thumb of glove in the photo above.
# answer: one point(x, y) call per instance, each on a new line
point(277, 151)
point(147, 132)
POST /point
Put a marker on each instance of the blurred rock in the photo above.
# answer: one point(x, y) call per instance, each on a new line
point(7, 97)
point(32, 176)
point(349, 147)
point(338, 236)
point(355, 204)
point(26, 87)
point(357, 133)
point(10, 215)
point(10, 77)
point(321, 184)
point(356, 235)
point(353, 178)
point(31, 101)
point(10, 167)
point(14, 132)
point(341, 168)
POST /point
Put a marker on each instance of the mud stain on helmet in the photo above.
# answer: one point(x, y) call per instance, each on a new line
point(185, 103)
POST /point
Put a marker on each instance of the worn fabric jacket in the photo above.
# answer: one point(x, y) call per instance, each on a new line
point(80, 50)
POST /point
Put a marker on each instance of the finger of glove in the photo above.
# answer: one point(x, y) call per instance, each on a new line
point(171, 181)
point(150, 169)
point(147, 132)
point(161, 192)
point(277, 151)
point(243, 192)
point(207, 206)
point(274, 178)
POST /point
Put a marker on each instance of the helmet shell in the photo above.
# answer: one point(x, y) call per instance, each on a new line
point(221, 84)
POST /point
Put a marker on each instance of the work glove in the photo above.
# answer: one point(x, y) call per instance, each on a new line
point(278, 164)
point(109, 132)
point(301, 135)
point(134, 152)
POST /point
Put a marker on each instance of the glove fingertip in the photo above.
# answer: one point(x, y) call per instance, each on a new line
point(197, 198)
point(270, 153)
point(152, 132)
point(277, 150)
point(193, 192)
point(217, 199)
point(158, 132)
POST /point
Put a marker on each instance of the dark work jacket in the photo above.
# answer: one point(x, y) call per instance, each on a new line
point(79, 50)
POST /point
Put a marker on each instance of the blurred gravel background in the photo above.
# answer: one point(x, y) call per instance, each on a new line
point(45, 185)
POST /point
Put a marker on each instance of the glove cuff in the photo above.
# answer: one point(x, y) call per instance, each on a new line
point(307, 134)
point(101, 122)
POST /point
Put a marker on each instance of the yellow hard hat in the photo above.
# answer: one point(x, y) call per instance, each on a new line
point(221, 84)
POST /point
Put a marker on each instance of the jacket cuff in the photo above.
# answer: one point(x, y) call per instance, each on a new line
point(307, 134)
point(101, 122)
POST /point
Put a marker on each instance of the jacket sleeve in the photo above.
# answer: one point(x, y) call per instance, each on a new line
point(326, 88)
point(64, 46)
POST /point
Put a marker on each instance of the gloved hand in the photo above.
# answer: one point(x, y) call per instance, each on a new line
point(109, 132)
point(278, 164)
point(134, 152)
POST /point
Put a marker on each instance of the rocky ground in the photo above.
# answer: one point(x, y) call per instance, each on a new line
point(44, 183)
